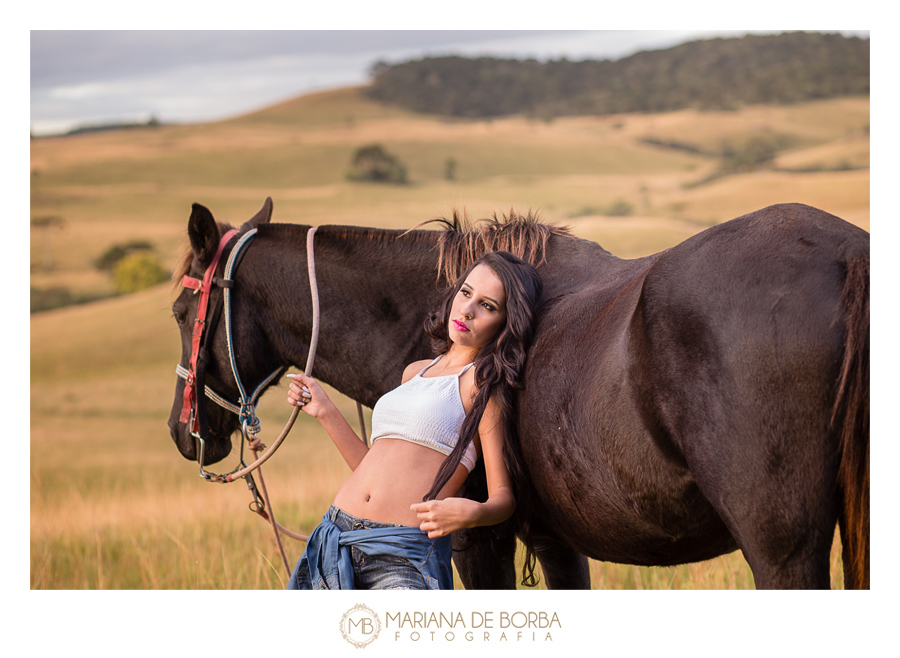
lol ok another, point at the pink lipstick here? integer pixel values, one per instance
(460, 326)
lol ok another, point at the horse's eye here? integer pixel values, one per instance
(179, 317)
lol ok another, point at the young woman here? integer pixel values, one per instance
(389, 526)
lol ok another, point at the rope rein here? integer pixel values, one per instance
(246, 407)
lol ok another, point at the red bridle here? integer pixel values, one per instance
(204, 287)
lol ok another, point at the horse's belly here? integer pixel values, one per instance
(625, 503)
(605, 481)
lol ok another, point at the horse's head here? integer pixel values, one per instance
(205, 361)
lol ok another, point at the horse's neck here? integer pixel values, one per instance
(375, 289)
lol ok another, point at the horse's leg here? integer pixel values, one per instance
(485, 557)
(803, 456)
(755, 436)
(761, 452)
(737, 344)
(563, 567)
(784, 523)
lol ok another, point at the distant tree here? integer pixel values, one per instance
(137, 272)
(754, 153)
(379, 68)
(373, 163)
(619, 208)
(46, 299)
(111, 257)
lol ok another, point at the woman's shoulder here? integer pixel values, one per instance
(414, 369)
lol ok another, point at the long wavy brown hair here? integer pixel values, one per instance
(499, 366)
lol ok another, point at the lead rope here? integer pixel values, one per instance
(271, 512)
(256, 445)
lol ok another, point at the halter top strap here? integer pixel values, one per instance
(457, 375)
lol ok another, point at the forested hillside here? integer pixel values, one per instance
(714, 74)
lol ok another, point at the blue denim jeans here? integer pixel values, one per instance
(378, 570)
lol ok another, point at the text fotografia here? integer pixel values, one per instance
(477, 626)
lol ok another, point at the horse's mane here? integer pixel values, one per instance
(461, 242)
(464, 241)
(182, 268)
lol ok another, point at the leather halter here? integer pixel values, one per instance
(245, 408)
(194, 410)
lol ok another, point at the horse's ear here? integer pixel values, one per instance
(263, 216)
(203, 234)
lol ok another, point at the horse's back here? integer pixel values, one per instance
(756, 299)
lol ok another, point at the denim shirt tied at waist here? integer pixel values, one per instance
(328, 553)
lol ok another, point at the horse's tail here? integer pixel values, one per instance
(850, 419)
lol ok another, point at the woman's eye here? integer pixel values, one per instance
(488, 306)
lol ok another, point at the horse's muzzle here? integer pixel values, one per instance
(217, 447)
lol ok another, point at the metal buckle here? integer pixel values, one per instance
(203, 473)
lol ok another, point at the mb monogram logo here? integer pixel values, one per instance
(360, 626)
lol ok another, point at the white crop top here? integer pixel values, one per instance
(425, 410)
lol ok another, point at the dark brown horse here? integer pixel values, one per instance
(711, 397)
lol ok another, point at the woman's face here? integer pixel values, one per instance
(478, 309)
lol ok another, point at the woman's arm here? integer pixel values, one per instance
(305, 392)
(441, 517)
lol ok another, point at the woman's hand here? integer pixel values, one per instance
(441, 517)
(305, 392)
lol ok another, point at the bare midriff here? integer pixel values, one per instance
(393, 475)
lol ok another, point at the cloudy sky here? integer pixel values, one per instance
(86, 77)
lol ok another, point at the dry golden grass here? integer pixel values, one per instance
(633, 237)
(113, 505)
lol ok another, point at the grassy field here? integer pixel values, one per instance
(114, 506)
